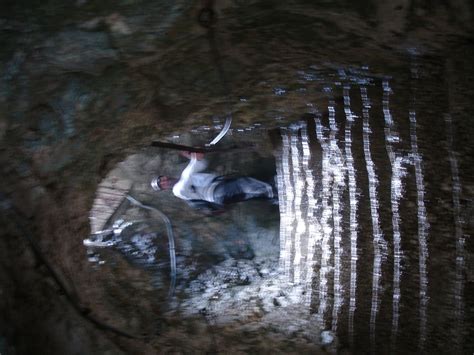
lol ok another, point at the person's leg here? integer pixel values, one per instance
(241, 189)
(254, 188)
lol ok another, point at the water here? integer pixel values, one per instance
(364, 127)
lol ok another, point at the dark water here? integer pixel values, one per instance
(360, 114)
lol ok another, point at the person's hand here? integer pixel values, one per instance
(198, 156)
(189, 155)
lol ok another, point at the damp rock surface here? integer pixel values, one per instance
(74, 51)
(360, 115)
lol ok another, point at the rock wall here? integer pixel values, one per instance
(84, 84)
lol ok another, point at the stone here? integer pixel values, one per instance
(117, 24)
(74, 51)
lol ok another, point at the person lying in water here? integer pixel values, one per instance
(211, 192)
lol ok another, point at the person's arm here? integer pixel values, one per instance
(183, 188)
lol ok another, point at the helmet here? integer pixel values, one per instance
(155, 183)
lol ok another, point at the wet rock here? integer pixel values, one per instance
(3, 128)
(92, 25)
(12, 68)
(17, 26)
(50, 160)
(117, 24)
(44, 130)
(327, 337)
(240, 249)
(73, 100)
(136, 241)
(10, 71)
(74, 51)
(57, 118)
(5, 202)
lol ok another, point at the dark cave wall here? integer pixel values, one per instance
(85, 83)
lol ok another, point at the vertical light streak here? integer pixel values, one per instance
(459, 282)
(353, 208)
(282, 199)
(337, 173)
(422, 220)
(286, 220)
(378, 241)
(299, 227)
(314, 229)
(298, 182)
(396, 190)
(325, 226)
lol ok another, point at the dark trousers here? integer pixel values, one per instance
(231, 190)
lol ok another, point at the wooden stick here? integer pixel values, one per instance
(193, 149)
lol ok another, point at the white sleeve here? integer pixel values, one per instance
(182, 188)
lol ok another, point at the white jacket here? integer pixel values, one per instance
(194, 185)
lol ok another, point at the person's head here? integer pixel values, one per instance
(162, 183)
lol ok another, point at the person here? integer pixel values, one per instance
(209, 192)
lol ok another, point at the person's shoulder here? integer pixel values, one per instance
(178, 189)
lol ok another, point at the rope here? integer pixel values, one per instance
(207, 19)
(169, 231)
